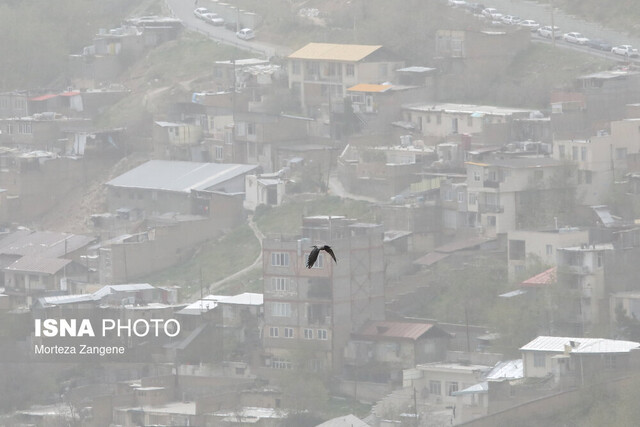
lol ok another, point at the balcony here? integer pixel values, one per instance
(484, 208)
(491, 184)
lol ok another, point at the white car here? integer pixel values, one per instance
(199, 12)
(548, 32)
(213, 18)
(530, 24)
(492, 13)
(246, 34)
(574, 37)
(625, 50)
(511, 20)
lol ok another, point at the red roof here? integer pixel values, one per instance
(72, 93)
(404, 330)
(546, 278)
(43, 97)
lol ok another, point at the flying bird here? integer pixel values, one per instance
(313, 255)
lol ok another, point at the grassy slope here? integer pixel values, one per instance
(622, 14)
(527, 82)
(240, 248)
(216, 260)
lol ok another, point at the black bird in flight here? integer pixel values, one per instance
(313, 255)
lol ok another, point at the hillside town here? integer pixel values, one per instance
(153, 267)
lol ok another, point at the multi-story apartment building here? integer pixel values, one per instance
(309, 314)
(488, 124)
(600, 159)
(515, 193)
(582, 286)
(319, 72)
(526, 247)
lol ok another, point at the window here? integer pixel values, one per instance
(281, 309)
(583, 154)
(322, 334)
(295, 67)
(219, 153)
(538, 174)
(288, 332)
(587, 177)
(280, 259)
(549, 249)
(460, 197)
(473, 198)
(574, 153)
(599, 259)
(24, 128)
(308, 334)
(539, 360)
(610, 361)
(435, 387)
(319, 262)
(452, 387)
(476, 176)
(280, 363)
(438, 119)
(280, 284)
(350, 70)
(273, 332)
(251, 128)
(561, 151)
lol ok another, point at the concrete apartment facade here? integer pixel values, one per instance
(310, 313)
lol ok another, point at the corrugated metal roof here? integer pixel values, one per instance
(415, 69)
(580, 345)
(45, 244)
(345, 421)
(363, 87)
(465, 109)
(129, 287)
(66, 299)
(430, 258)
(479, 388)
(246, 298)
(463, 244)
(404, 330)
(178, 176)
(29, 264)
(334, 52)
(510, 369)
(547, 277)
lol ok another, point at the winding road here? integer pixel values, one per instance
(183, 10)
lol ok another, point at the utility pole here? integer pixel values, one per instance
(553, 25)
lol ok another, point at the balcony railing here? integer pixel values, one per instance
(491, 184)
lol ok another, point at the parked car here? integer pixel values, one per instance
(625, 50)
(600, 44)
(213, 18)
(199, 12)
(511, 20)
(246, 34)
(492, 13)
(575, 38)
(548, 32)
(530, 24)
